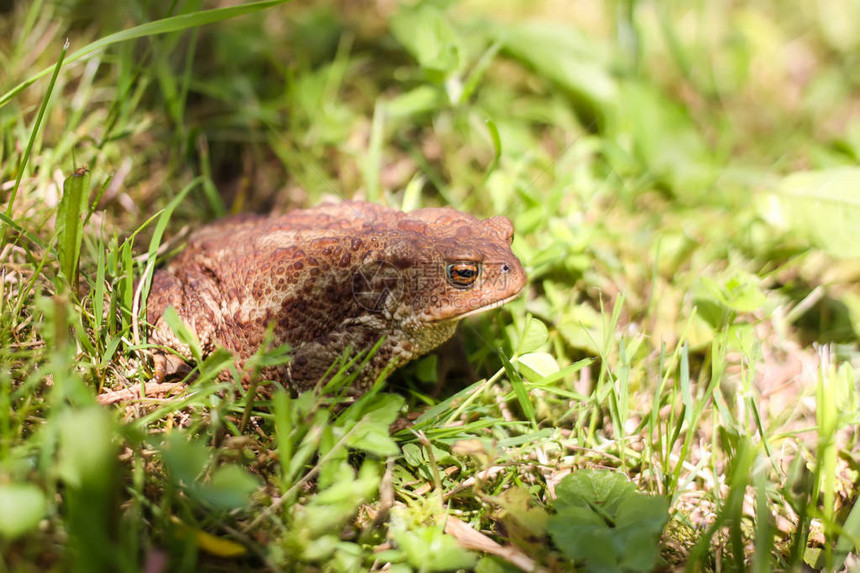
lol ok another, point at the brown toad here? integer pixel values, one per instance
(334, 277)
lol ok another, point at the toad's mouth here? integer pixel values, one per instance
(478, 309)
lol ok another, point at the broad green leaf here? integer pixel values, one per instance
(516, 502)
(214, 364)
(230, 488)
(22, 506)
(534, 336)
(822, 207)
(373, 438)
(537, 365)
(603, 521)
(583, 536)
(639, 524)
(351, 489)
(378, 408)
(329, 510)
(430, 549)
(371, 433)
(70, 222)
(86, 450)
(588, 487)
(320, 548)
(413, 454)
(87, 465)
(427, 35)
(493, 564)
(739, 292)
(185, 459)
(563, 55)
(665, 139)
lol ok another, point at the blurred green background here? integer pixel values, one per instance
(682, 180)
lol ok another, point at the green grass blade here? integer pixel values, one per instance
(519, 387)
(216, 202)
(825, 469)
(8, 222)
(849, 539)
(163, 26)
(160, 227)
(94, 204)
(126, 272)
(99, 290)
(474, 79)
(497, 150)
(763, 526)
(26, 157)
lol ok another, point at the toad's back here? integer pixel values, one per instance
(313, 276)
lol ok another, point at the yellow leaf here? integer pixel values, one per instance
(209, 543)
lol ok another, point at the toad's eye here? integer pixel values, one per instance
(463, 274)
